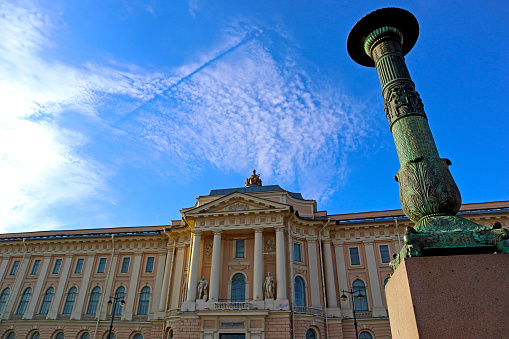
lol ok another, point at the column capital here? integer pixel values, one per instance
(368, 242)
(326, 240)
(279, 229)
(197, 232)
(218, 232)
(258, 230)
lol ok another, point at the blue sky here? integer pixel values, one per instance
(120, 113)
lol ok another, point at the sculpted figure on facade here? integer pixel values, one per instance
(202, 289)
(269, 286)
(254, 179)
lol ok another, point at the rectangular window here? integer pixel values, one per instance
(240, 249)
(150, 265)
(58, 264)
(354, 256)
(14, 268)
(296, 252)
(384, 253)
(125, 265)
(35, 268)
(79, 266)
(102, 265)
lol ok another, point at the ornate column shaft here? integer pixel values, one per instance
(258, 266)
(193, 270)
(215, 270)
(330, 284)
(428, 194)
(280, 264)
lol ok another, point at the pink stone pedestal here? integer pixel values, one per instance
(461, 296)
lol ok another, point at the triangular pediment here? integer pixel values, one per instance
(236, 202)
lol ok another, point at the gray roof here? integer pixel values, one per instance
(254, 188)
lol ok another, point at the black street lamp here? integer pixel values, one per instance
(360, 297)
(114, 302)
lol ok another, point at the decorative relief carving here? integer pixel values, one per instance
(270, 245)
(238, 206)
(402, 100)
(208, 248)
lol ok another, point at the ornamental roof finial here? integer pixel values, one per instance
(254, 179)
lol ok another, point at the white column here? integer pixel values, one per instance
(106, 293)
(176, 287)
(342, 279)
(55, 304)
(83, 291)
(280, 264)
(166, 280)
(258, 266)
(3, 266)
(193, 270)
(127, 312)
(16, 287)
(215, 270)
(330, 283)
(159, 280)
(314, 276)
(29, 314)
(376, 293)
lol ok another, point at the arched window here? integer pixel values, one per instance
(59, 335)
(365, 335)
(85, 335)
(170, 334)
(360, 305)
(69, 301)
(3, 298)
(138, 336)
(310, 334)
(94, 300)
(300, 293)
(386, 280)
(120, 294)
(10, 335)
(239, 288)
(112, 336)
(46, 301)
(144, 301)
(23, 303)
(35, 335)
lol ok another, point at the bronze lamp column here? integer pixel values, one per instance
(428, 194)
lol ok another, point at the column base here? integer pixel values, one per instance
(334, 312)
(449, 297)
(188, 306)
(159, 315)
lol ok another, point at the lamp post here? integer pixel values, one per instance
(114, 302)
(360, 297)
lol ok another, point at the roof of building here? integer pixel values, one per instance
(254, 188)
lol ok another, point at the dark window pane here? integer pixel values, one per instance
(69, 301)
(360, 305)
(354, 256)
(46, 301)
(94, 300)
(300, 293)
(239, 249)
(58, 264)
(384, 254)
(23, 303)
(14, 268)
(238, 288)
(125, 265)
(3, 298)
(150, 265)
(79, 266)
(35, 268)
(365, 335)
(296, 252)
(144, 301)
(102, 265)
(310, 334)
(120, 294)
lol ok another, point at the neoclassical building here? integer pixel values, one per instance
(253, 262)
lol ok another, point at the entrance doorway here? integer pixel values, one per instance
(232, 336)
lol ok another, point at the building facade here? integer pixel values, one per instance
(254, 262)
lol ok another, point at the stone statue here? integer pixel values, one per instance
(269, 286)
(202, 288)
(254, 179)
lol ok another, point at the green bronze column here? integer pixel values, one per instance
(428, 194)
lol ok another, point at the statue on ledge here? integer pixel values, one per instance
(269, 286)
(254, 179)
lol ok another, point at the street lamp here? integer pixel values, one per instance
(360, 297)
(114, 302)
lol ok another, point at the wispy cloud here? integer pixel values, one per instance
(251, 105)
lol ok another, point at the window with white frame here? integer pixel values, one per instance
(240, 249)
(385, 256)
(354, 256)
